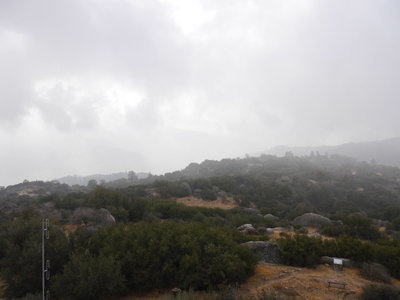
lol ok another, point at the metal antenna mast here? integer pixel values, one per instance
(45, 264)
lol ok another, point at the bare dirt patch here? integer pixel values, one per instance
(28, 192)
(229, 203)
(304, 283)
(68, 229)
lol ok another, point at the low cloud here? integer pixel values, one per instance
(154, 85)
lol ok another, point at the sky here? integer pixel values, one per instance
(102, 86)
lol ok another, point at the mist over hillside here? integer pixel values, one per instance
(204, 221)
(385, 152)
(83, 180)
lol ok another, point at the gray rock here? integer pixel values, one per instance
(267, 252)
(89, 216)
(271, 217)
(246, 228)
(311, 220)
(284, 180)
(103, 216)
(329, 260)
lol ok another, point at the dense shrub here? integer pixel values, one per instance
(20, 264)
(331, 229)
(375, 272)
(208, 194)
(160, 254)
(301, 250)
(360, 226)
(172, 189)
(89, 277)
(384, 292)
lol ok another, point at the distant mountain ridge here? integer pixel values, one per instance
(386, 152)
(83, 180)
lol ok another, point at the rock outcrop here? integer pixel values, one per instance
(311, 220)
(271, 217)
(246, 228)
(267, 252)
(93, 217)
(329, 260)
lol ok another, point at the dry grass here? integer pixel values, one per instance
(68, 229)
(28, 192)
(229, 203)
(306, 283)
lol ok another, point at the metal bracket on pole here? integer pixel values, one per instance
(47, 269)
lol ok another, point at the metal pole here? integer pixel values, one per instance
(43, 286)
(45, 264)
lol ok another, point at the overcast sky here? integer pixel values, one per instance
(101, 86)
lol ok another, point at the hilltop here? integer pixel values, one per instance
(382, 152)
(83, 180)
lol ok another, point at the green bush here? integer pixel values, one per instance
(360, 226)
(161, 254)
(384, 292)
(20, 265)
(301, 250)
(375, 272)
(89, 277)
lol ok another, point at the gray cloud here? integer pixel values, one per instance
(154, 85)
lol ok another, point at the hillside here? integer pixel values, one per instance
(289, 186)
(382, 152)
(191, 228)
